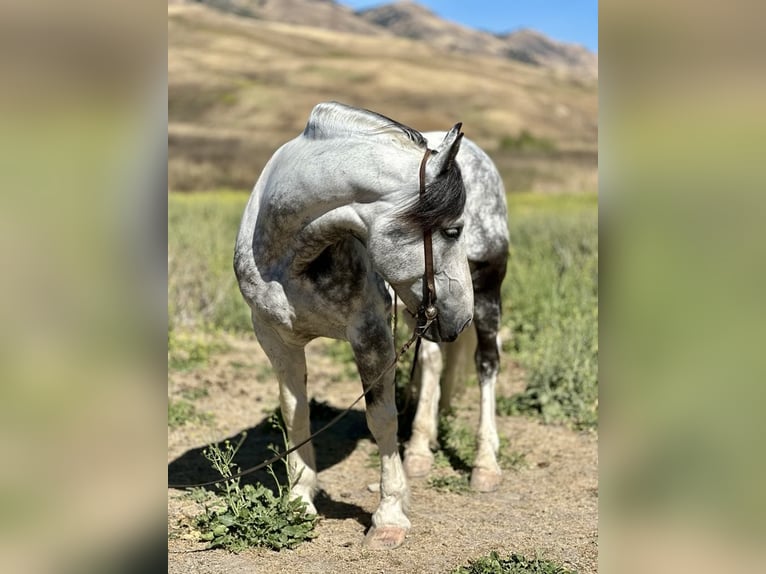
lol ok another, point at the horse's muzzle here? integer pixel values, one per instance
(436, 332)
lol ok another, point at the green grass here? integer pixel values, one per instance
(182, 411)
(551, 306)
(526, 142)
(202, 289)
(513, 564)
(187, 350)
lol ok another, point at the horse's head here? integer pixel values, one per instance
(396, 243)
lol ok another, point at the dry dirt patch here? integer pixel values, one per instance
(547, 506)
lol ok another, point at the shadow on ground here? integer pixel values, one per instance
(332, 446)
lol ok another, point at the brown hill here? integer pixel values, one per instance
(411, 20)
(320, 13)
(240, 87)
(530, 46)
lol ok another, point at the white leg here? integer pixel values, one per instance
(289, 365)
(486, 474)
(418, 457)
(371, 342)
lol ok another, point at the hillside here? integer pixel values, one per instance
(411, 20)
(241, 86)
(320, 13)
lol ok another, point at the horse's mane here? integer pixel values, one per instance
(333, 119)
(441, 204)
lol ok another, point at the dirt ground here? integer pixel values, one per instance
(547, 506)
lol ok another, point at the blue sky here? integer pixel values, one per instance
(565, 20)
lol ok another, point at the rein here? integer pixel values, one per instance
(426, 316)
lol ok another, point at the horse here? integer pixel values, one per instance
(486, 241)
(339, 214)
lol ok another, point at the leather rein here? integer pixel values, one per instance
(425, 317)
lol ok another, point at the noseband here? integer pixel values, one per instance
(427, 312)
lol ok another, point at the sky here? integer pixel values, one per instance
(573, 21)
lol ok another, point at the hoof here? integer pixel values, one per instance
(385, 537)
(485, 480)
(417, 465)
(310, 508)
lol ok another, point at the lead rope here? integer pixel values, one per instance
(428, 312)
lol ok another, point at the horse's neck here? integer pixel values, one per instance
(310, 200)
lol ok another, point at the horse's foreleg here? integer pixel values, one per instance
(486, 474)
(289, 364)
(418, 457)
(373, 350)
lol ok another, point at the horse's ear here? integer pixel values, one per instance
(447, 150)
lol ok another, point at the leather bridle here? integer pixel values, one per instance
(428, 308)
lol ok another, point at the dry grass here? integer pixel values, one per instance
(239, 88)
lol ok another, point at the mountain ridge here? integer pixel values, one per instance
(409, 19)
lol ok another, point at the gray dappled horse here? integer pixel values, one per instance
(335, 215)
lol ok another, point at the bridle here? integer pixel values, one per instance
(426, 315)
(428, 308)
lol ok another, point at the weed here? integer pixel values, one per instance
(239, 517)
(512, 460)
(514, 564)
(458, 484)
(190, 350)
(373, 459)
(458, 443)
(182, 411)
(194, 393)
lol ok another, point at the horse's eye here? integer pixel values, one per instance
(452, 232)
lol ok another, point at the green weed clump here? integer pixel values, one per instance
(514, 564)
(458, 484)
(240, 517)
(551, 298)
(182, 411)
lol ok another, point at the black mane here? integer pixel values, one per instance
(441, 204)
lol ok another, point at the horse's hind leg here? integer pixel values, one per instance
(458, 356)
(289, 364)
(418, 457)
(487, 278)
(371, 342)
